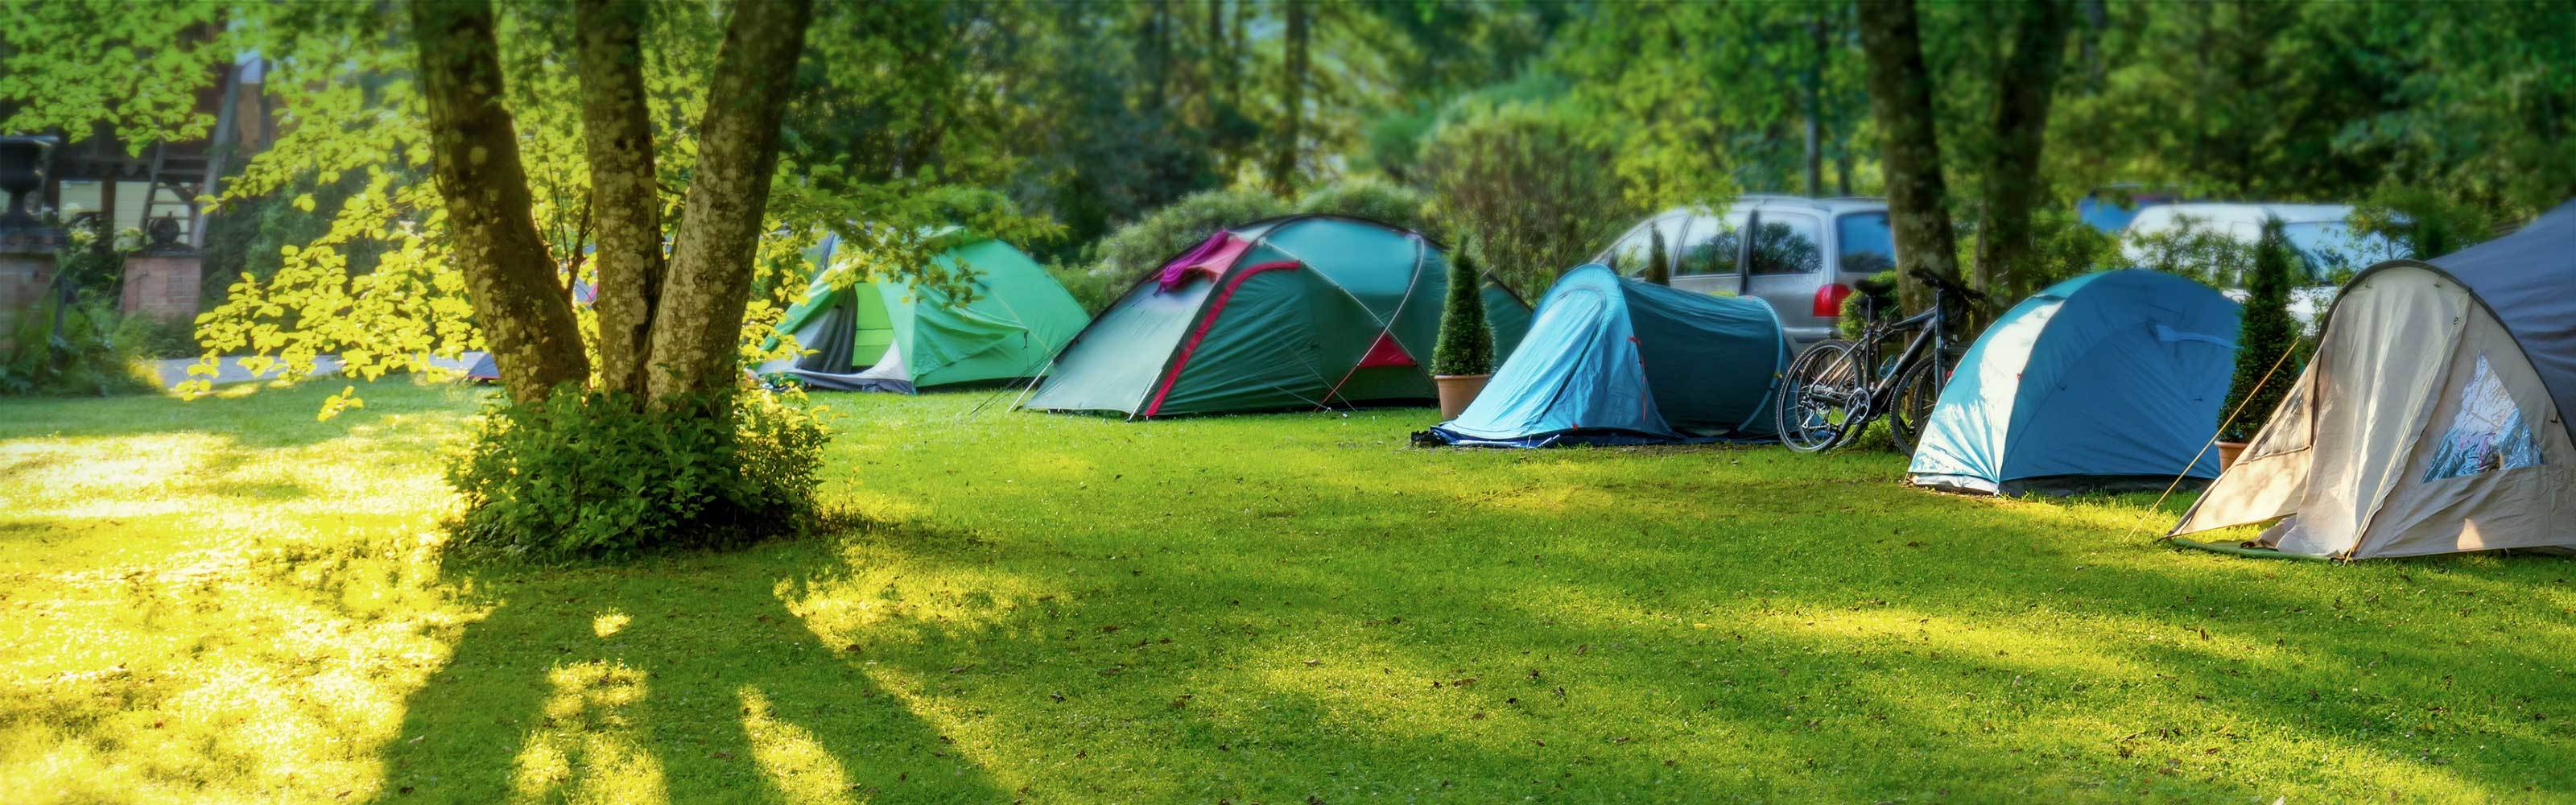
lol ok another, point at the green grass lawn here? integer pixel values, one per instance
(227, 600)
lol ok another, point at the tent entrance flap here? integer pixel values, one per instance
(829, 339)
(2372, 401)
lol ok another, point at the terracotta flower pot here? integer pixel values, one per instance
(2227, 453)
(1456, 391)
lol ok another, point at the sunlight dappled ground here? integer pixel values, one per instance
(222, 600)
(229, 601)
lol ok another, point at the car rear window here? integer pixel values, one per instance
(1868, 247)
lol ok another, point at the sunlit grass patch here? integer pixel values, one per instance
(220, 600)
(227, 601)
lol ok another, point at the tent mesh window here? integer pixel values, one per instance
(2488, 433)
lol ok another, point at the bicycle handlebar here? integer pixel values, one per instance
(1947, 284)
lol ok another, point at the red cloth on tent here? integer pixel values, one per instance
(1211, 258)
(1216, 307)
(1385, 353)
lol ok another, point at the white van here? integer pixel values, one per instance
(2321, 233)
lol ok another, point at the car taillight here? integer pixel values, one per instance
(1829, 300)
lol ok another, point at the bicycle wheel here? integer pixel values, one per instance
(1915, 395)
(1823, 399)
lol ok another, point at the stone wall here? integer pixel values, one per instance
(162, 286)
(23, 277)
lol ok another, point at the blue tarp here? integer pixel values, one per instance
(1617, 361)
(2102, 381)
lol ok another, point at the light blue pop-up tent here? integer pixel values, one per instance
(2105, 381)
(1617, 361)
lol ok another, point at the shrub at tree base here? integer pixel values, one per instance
(1466, 344)
(589, 475)
(94, 353)
(2267, 333)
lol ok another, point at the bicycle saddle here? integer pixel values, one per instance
(1875, 286)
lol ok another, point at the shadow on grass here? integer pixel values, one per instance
(684, 680)
(252, 418)
(1798, 637)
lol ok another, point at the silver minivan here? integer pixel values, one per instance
(1805, 255)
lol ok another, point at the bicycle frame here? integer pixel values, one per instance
(1929, 326)
(1833, 395)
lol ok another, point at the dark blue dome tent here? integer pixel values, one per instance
(2105, 381)
(1610, 360)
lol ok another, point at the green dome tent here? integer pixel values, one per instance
(890, 336)
(1306, 311)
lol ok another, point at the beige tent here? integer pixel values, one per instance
(2433, 418)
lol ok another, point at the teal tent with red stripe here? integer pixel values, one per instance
(1301, 312)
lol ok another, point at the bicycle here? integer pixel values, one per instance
(1835, 388)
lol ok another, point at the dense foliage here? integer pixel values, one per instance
(1138, 248)
(1377, 200)
(80, 349)
(1109, 137)
(1466, 344)
(73, 341)
(1094, 290)
(2193, 249)
(2266, 339)
(1523, 181)
(586, 475)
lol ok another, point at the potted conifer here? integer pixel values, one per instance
(1659, 264)
(1464, 358)
(2265, 334)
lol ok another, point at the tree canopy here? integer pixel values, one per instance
(1057, 124)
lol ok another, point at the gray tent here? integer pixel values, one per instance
(2434, 416)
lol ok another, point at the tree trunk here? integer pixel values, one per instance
(1234, 51)
(492, 232)
(625, 195)
(1214, 65)
(1283, 161)
(1154, 54)
(2012, 186)
(1815, 81)
(1842, 134)
(697, 330)
(1900, 99)
(1220, 67)
(2097, 19)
